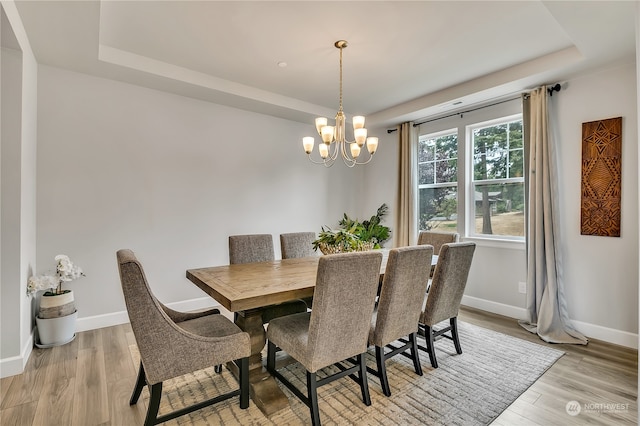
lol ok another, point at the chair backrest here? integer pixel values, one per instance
(297, 244)
(343, 301)
(250, 248)
(402, 295)
(448, 283)
(437, 239)
(148, 320)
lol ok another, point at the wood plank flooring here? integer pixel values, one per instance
(89, 382)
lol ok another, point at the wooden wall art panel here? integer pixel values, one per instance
(601, 177)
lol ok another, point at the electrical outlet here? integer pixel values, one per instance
(522, 287)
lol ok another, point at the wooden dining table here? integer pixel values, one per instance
(247, 289)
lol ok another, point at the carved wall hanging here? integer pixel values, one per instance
(601, 177)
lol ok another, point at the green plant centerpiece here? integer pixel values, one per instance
(354, 235)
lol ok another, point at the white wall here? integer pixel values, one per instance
(120, 166)
(600, 273)
(11, 61)
(18, 224)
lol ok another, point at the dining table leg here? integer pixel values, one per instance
(264, 390)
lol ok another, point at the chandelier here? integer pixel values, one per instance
(334, 139)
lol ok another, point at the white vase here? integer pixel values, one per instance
(56, 319)
(56, 331)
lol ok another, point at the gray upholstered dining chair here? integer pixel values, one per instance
(437, 239)
(250, 248)
(335, 330)
(444, 297)
(294, 245)
(259, 248)
(399, 307)
(173, 344)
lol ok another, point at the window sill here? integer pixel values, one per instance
(497, 243)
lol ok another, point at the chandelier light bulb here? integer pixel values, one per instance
(307, 143)
(324, 150)
(372, 144)
(327, 134)
(320, 123)
(355, 150)
(361, 136)
(358, 122)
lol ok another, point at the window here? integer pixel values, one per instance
(471, 173)
(497, 185)
(438, 181)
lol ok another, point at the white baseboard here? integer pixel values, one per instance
(121, 317)
(617, 337)
(15, 365)
(495, 307)
(610, 335)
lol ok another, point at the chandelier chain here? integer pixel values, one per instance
(341, 79)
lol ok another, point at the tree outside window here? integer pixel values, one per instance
(498, 178)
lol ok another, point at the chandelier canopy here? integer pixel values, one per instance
(334, 141)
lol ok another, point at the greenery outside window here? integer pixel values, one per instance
(438, 181)
(496, 196)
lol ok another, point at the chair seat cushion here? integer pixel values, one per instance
(291, 334)
(215, 325)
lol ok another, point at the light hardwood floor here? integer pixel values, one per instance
(89, 381)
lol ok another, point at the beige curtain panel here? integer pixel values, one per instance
(546, 304)
(405, 227)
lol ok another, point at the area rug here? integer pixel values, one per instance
(468, 389)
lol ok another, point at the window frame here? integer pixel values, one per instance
(471, 184)
(455, 184)
(460, 120)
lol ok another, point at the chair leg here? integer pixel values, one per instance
(271, 357)
(154, 404)
(140, 384)
(414, 353)
(364, 385)
(428, 337)
(382, 371)
(454, 334)
(312, 392)
(244, 383)
(218, 368)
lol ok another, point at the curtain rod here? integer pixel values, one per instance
(556, 87)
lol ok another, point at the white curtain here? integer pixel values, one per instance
(546, 303)
(405, 227)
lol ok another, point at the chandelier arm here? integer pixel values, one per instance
(365, 162)
(345, 154)
(333, 154)
(348, 164)
(355, 162)
(316, 162)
